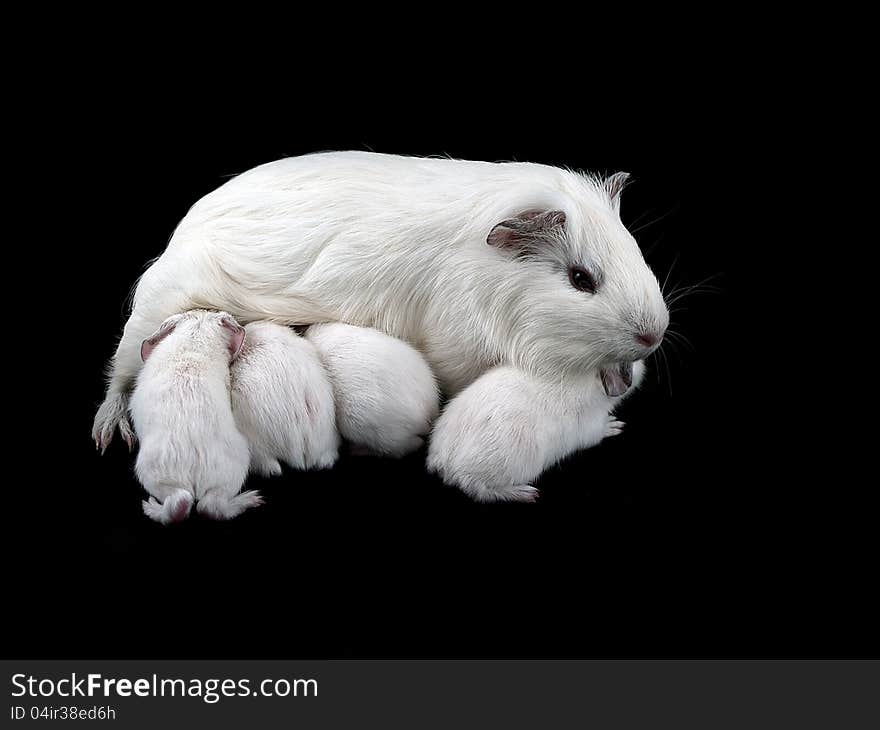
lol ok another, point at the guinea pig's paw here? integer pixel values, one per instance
(112, 413)
(215, 505)
(613, 427)
(246, 500)
(326, 460)
(274, 470)
(175, 508)
(152, 509)
(482, 492)
(243, 502)
(514, 493)
(178, 505)
(127, 433)
(266, 467)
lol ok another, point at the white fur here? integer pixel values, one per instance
(191, 450)
(399, 244)
(499, 434)
(282, 401)
(386, 396)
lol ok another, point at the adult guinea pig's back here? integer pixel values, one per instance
(292, 208)
(351, 236)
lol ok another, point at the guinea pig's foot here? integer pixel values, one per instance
(613, 427)
(217, 506)
(178, 505)
(247, 500)
(175, 508)
(326, 460)
(517, 493)
(266, 467)
(512, 493)
(112, 413)
(152, 509)
(127, 433)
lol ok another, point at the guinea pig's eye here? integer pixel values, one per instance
(582, 279)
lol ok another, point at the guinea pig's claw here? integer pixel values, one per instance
(102, 440)
(613, 427)
(127, 435)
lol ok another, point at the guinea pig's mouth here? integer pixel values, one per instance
(617, 378)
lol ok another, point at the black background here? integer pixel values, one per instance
(714, 526)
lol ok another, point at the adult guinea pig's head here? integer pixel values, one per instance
(585, 298)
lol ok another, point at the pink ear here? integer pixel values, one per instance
(525, 230)
(150, 344)
(236, 336)
(614, 187)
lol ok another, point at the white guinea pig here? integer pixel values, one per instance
(191, 450)
(386, 396)
(477, 264)
(502, 432)
(282, 401)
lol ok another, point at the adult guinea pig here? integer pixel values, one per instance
(474, 263)
(386, 396)
(191, 450)
(505, 429)
(282, 401)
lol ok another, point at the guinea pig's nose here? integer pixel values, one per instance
(649, 339)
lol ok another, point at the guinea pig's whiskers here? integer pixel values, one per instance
(650, 223)
(679, 292)
(641, 217)
(673, 337)
(676, 337)
(654, 245)
(665, 360)
(659, 361)
(668, 274)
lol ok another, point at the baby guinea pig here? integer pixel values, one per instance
(282, 401)
(503, 431)
(191, 450)
(386, 395)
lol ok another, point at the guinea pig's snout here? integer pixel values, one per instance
(650, 338)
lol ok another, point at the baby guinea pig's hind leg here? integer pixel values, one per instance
(216, 504)
(175, 508)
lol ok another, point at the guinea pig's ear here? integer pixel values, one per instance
(614, 185)
(149, 344)
(521, 233)
(236, 335)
